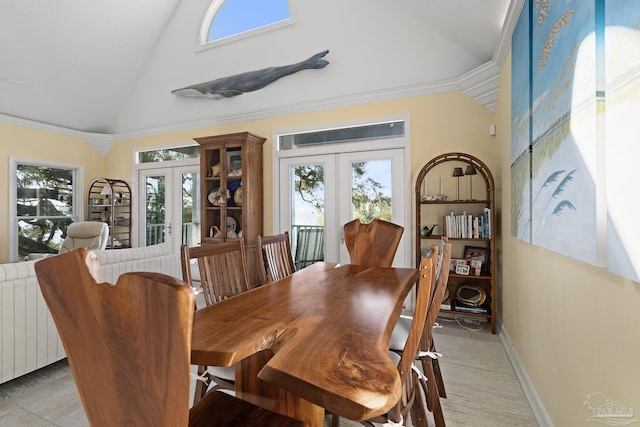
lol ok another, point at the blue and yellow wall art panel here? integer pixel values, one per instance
(563, 162)
(622, 152)
(581, 123)
(521, 128)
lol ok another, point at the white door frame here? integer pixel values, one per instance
(278, 204)
(330, 173)
(173, 172)
(399, 203)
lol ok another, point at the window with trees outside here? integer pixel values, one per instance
(45, 205)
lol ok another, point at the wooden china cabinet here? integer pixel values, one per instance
(231, 192)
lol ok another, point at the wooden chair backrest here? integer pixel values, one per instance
(222, 267)
(424, 291)
(373, 244)
(276, 259)
(128, 344)
(438, 295)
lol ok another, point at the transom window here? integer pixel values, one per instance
(226, 19)
(169, 154)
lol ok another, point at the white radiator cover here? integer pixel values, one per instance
(28, 336)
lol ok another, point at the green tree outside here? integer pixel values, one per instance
(368, 198)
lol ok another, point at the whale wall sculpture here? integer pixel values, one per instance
(238, 84)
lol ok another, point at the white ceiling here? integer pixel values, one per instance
(109, 66)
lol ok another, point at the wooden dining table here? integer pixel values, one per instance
(315, 340)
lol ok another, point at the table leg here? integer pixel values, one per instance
(249, 387)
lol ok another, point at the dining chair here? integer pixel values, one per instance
(370, 245)
(373, 244)
(129, 347)
(222, 269)
(433, 386)
(408, 377)
(276, 260)
(404, 360)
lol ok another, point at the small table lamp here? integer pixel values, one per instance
(106, 191)
(471, 170)
(457, 172)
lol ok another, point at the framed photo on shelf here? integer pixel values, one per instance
(462, 269)
(476, 266)
(477, 253)
(234, 163)
(453, 264)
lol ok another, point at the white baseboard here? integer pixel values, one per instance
(529, 390)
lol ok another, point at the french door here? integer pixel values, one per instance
(169, 206)
(319, 194)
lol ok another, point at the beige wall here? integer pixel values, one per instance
(439, 124)
(26, 143)
(574, 327)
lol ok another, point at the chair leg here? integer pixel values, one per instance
(335, 420)
(418, 409)
(438, 373)
(433, 396)
(202, 384)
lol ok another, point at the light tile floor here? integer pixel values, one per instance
(481, 385)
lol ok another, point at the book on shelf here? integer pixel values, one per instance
(464, 308)
(466, 226)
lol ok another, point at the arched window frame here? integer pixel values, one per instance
(210, 14)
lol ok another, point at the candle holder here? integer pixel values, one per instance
(457, 172)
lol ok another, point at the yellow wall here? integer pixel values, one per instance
(26, 143)
(439, 123)
(574, 327)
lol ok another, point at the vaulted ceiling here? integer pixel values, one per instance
(109, 66)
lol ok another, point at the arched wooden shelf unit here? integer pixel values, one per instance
(468, 223)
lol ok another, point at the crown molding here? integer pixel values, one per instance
(102, 142)
(482, 84)
(296, 108)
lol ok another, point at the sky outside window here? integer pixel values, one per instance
(239, 16)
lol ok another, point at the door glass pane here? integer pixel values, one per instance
(190, 212)
(155, 209)
(307, 214)
(371, 189)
